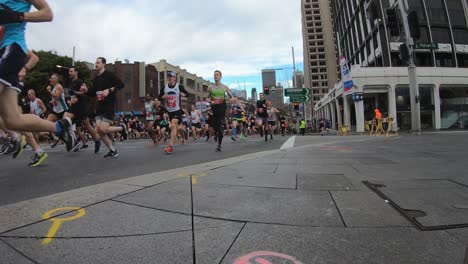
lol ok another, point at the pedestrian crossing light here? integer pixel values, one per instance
(266, 90)
(296, 106)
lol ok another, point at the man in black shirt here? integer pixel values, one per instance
(78, 111)
(105, 85)
(262, 116)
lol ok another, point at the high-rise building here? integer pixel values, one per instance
(380, 75)
(320, 61)
(299, 79)
(276, 95)
(254, 96)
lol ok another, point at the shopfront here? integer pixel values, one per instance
(454, 107)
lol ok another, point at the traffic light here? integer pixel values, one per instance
(393, 23)
(296, 106)
(266, 90)
(413, 22)
(404, 53)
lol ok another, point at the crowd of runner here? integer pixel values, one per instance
(27, 119)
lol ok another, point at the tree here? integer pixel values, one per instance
(38, 77)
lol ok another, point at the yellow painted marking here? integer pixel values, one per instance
(195, 176)
(57, 222)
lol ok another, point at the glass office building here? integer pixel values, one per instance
(363, 36)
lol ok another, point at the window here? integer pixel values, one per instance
(436, 11)
(455, 10)
(461, 36)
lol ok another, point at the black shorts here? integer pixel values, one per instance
(78, 111)
(272, 123)
(58, 115)
(196, 125)
(176, 115)
(12, 61)
(105, 117)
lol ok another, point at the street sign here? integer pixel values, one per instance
(296, 92)
(430, 46)
(299, 99)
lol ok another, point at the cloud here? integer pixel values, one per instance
(239, 37)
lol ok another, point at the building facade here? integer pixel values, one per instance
(139, 79)
(379, 73)
(320, 60)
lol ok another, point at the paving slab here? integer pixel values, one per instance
(323, 182)
(439, 204)
(130, 234)
(248, 204)
(254, 179)
(420, 184)
(461, 234)
(27, 212)
(249, 167)
(366, 209)
(11, 256)
(347, 245)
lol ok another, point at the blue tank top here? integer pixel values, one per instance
(15, 32)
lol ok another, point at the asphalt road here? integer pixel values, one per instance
(64, 171)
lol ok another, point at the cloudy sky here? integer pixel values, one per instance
(239, 37)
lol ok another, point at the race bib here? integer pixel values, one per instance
(260, 110)
(171, 101)
(217, 100)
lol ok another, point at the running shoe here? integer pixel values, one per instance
(18, 146)
(37, 159)
(169, 150)
(54, 143)
(233, 138)
(97, 146)
(218, 148)
(124, 131)
(111, 154)
(66, 137)
(77, 147)
(85, 146)
(5, 147)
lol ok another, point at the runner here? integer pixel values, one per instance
(105, 85)
(59, 105)
(218, 105)
(262, 115)
(196, 125)
(150, 114)
(236, 111)
(271, 111)
(14, 14)
(171, 93)
(36, 107)
(252, 125)
(77, 111)
(283, 125)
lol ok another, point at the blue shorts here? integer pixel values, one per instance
(12, 60)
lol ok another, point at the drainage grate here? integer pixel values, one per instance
(411, 215)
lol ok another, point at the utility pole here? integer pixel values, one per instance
(73, 61)
(412, 74)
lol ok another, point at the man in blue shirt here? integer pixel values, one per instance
(14, 14)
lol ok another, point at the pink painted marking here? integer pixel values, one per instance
(256, 258)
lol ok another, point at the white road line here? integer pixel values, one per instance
(288, 144)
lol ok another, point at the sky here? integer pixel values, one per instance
(238, 37)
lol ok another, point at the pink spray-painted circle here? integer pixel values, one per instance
(258, 258)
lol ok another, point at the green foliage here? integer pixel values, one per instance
(38, 77)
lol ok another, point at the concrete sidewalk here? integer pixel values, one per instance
(335, 200)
